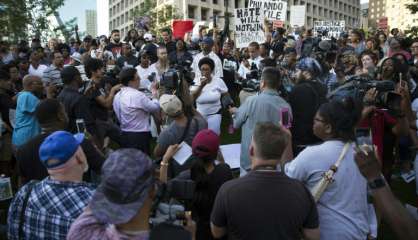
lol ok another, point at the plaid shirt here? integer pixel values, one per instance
(51, 209)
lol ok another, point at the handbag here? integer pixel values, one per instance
(328, 176)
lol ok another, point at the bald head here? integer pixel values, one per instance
(33, 84)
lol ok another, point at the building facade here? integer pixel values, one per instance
(120, 11)
(395, 11)
(91, 22)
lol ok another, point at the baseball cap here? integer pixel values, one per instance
(205, 144)
(76, 56)
(59, 146)
(207, 40)
(171, 105)
(148, 37)
(127, 176)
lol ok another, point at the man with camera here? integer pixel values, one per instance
(265, 107)
(265, 204)
(122, 204)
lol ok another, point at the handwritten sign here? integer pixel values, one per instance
(329, 29)
(248, 26)
(297, 15)
(273, 9)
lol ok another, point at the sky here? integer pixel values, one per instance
(77, 8)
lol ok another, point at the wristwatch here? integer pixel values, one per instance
(377, 183)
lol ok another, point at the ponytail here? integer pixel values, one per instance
(201, 179)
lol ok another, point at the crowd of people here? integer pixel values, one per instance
(90, 131)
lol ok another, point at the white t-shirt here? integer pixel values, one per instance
(342, 208)
(209, 101)
(39, 71)
(144, 73)
(217, 72)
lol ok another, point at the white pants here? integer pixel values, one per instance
(214, 122)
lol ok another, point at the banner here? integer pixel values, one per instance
(248, 26)
(181, 27)
(297, 15)
(273, 9)
(329, 29)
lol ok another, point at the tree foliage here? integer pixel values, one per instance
(20, 18)
(413, 31)
(160, 17)
(413, 7)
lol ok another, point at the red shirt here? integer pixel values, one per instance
(378, 121)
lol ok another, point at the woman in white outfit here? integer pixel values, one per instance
(343, 207)
(208, 95)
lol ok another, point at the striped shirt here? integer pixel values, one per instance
(52, 76)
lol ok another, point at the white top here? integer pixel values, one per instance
(144, 73)
(343, 209)
(38, 71)
(217, 72)
(209, 101)
(242, 71)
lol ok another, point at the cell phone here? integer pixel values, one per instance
(81, 127)
(285, 118)
(364, 137)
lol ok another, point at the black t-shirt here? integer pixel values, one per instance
(202, 209)
(230, 66)
(97, 110)
(115, 48)
(264, 205)
(6, 103)
(305, 99)
(31, 168)
(130, 61)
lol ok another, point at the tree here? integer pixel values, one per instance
(20, 18)
(413, 8)
(160, 18)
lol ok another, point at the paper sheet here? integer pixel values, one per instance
(232, 154)
(183, 153)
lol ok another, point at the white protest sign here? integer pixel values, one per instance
(329, 29)
(273, 9)
(297, 15)
(248, 26)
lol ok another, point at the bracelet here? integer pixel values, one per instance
(164, 163)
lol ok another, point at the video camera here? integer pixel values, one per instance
(251, 83)
(170, 80)
(357, 87)
(164, 210)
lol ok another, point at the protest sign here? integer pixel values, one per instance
(248, 26)
(181, 27)
(297, 15)
(273, 9)
(329, 29)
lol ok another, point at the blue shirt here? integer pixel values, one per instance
(26, 125)
(265, 107)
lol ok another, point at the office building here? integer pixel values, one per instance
(91, 22)
(394, 12)
(121, 11)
